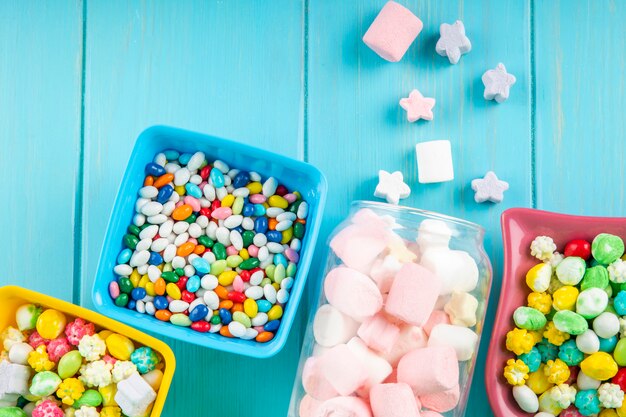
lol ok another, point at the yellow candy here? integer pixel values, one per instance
(143, 281)
(104, 334)
(565, 298)
(180, 190)
(519, 341)
(287, 235)
(135, 277)
(275, 313)
(120, 347)
(554, 335)
(251, 308)
(538, 277)
(600, 366)
(228, 200)
(244, 254)
(540, 301)
(150, 289)
(278, 201)
(255, 187)
(537, 335)
(548, 404)
(38, 359)
(70, 390)
(226, 278)
(609, 412)
(621, 412)
(555, 284)
(51, 324)
(276, 286)
(110, 412)
(108, 395)
(516, 372)
(538, 381)
(173, 291)
(556, 371)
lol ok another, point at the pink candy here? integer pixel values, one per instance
(231, 251)
(413, 294)
(114, 289)
(35, 340)
(378, 333)
(109, 359)
(253, 251)
(47, 408)
(257, 199)
(78, 328)
(429, 370)
(352, 293)
(393, 400)
(57, 348)
(221, 213)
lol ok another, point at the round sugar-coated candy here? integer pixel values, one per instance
(620, 352)
(587, 402)
(600, 366)
(198, 313)
(532, 359)
(620, 378)
(525, 398)
(538, 277)
(145, 359)
(578, 247)
(547, 350)
(591, 302)
(619, 303)
(606, 248)
(565, 298)
(51, 323)
(12, 412)
(570, 322)
(570, 354)
(119, 346)
(570, 271)
(596, 276)
(69, 364)
(90, 398)
(588, 342)
(26, 316)
(608, 345)
(606, 325)
(44, 383)
(529, 318)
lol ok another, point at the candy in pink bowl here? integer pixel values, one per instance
(519, 227)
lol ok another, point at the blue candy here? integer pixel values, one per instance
(155, 258)
(138, 293)
(144, 359)
(193, 190)
(165, 193)
(241, 179)
(532, 359)
(587, 402)
(274, 236)
(184, 158)
(619, 303)
(201, 265)
(279, 259)
(548, 351)
(131, 304)
(124, 256)
(171, 154)
(608, 345)
(263, 305)
(217, 178)
(260, 225)
(225, 316)
(193, 283)
(160, 302)
(198, 313)
(248, 210)
(154, 169)
(569, 353)
(239, 229)
(259, 210)
(271, 326)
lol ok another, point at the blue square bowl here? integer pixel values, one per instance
(295, 175)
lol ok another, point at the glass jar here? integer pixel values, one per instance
(399, 317)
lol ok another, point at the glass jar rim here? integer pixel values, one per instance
(426, 213)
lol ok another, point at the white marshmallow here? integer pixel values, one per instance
(13, 380)
(378, 369)
(434, 161)
(462, 339)
(586, 382)
(19, 353)
(433, 233)
(134, 395)
(456, 269)
(462, 309)
(331, 327)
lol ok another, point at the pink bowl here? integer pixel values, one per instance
(519, 228)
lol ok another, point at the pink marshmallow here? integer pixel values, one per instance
(393, 31)
(430, 369)
(378, 333)
(441, 401)
(314, 382)
(413, 294)
(358, 245)
(331, 327)
(343, 407)
(393, 400)
(410, 338)
(428, 413)
(308, 405)
(436, 317)
(377, 368)
(343, 369)
(352, 293)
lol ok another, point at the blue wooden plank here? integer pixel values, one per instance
(40, 102)
(232, 69)
(356, 127)
(581, 102)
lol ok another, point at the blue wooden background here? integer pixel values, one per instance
(79, 80)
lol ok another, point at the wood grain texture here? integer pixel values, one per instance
(40, 80)
(581, 102)
(232, 69)
(356, 126)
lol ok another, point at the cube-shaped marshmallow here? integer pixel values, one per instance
(429, 369)
(413, 294)
(434, 161)
(343, 369)
(391, 400)
(134, 395)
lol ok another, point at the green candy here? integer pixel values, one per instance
(167, 268)
(131, 241)
(121, 300)
(180, 272)
(191, 219)
(570, 322)
(247, 236)
(241, 317)
(529, 318)
(279, 273)
(596, 276)
(269, 271)
(619, 353)
(216, 320)
(69, 364)
(207, 242)
(26, 316)
(90, 398)
(291, 269)
(591, 302)
(298, 230)
(571, 270)
(180, 319)
(134, 230)
(218, 267)
(170, 276)
(249, 263)
(12, 412)
(126, 286)
(234, 261)
(219, 251)
(606, 248)
(44, 383)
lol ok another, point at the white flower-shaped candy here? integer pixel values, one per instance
(617, 271)
(563, 395)
(610, 395)
(542, 248)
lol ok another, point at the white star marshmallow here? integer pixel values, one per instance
(453, 43)
(489, 188)
(391, 187)
(497, 83)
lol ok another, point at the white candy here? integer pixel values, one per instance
(169, 253)
(269, 187)
(233, 221)
(195, 230)
(241, 192)
(282, 296)
(189, 269)
(181, 238)
(144, 244)
(14, 378)
(526, 398)
(544, 414)
(462, 339)
(19, 353)
(171, 167)
(462, 309)
(410, 338)
(489, 188)
(256, 278)
(143, 269)
(123, 270)
(140, 307)
(586, 382)
(456, 269)
(588, 342)
(202, 221)
(180, 227)
(211, 299)
(134, 395)
(270, 293)
(158, 219)
(154, 273)
(606, 325)
(139, 258)
(209, 282)
(247, 223)
(250, 334)
(150, 308)
(275, 247)
(151, 208)
(434, 161)
(209, 192)
(284, 225)
(274, 212)
(223, 235)
(140, 203)
(160, 159)
(181, 177)
(168, 208)
(331, 327)
(236, 240)
(139, 219)
(166, 228)
(159, 245)
(433, 233)
(378, 369)
(286, 216)
(148, 192)
(259, 240)
(221, 165)
(178, 306)
(260, 319)
(195, 161)
(178, 262)
(391, 187)
(236, 329)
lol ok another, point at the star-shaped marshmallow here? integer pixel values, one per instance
(453, 43)
(417, 106)
(489, 188)
(497, 83)
(391, 187)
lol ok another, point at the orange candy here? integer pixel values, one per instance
(225, 332)
(264, 337)
(163, 180)
(148, 181)
(271, 224)
(237, 307)
(303, 221)
(199, 250)
(185, 249)
(227, 304)
(163, 315)
(182, 212)
(221, 292)
(159, 286)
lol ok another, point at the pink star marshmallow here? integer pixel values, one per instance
(417, 106)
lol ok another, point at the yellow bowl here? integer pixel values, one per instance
(11, 297)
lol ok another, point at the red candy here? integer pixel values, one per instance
(620, 379)
(35, 340)
(47, 408)
(205, 211)
(573, 375)
(245, 275)
(578, 247)
(216, 204)
(201, 326)
(182, 282)
(187, 296)
(78, 328)
(57, 348)
(281, 190)
(237, 297)
(571, 411)
(204, 172)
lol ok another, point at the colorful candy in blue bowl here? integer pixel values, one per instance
(210, 241)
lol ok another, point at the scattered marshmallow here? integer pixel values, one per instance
(358, 245)
(436, 317)
(19, 353)
(413, 294)
(462, 309)
(441, 401)
(417, 106)
(314, 382)
(343, 406)
(342, 369)
(433, 233)
(308, 405)
(434, 161)
(497, 83)
(430, 369)
(453, 43)
(391, 187)
(393, 400)
(489, 188)
(377, 368)
(352, 293)
(134, 395)
(410, 338)
(331, 327)
(378, 333)
(461, 339)
(393, 31)
(456, 269)
(13, 380)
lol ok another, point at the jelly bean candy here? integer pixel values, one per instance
(528, 318)
(50, 324)
(600, 366)
(69, 364)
